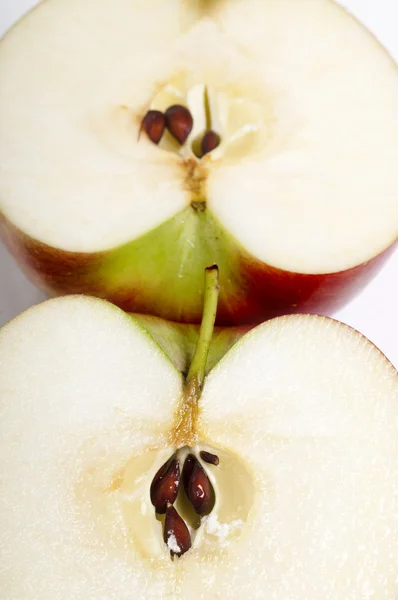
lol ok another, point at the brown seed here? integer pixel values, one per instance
(187, 470)
(197, 486)
(179, 122)
(176, 534)
(165, 485)
(154, 124)
(210, 458)
(209, 142)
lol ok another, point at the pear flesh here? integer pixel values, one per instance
(302, 412)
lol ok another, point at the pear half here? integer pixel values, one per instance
(302, 413)
(298, 205)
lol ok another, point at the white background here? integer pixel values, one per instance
(374, 312)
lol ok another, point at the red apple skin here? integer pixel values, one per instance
(256, 291)
(278, 292)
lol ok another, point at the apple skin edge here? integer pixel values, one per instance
(161, 273)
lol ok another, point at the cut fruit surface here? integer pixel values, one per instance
(302, 415)
(304, 179)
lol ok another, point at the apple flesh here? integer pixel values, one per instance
(302, 413)
(297, 204)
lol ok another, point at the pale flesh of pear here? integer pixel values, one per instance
(303, 413)
(304, 181)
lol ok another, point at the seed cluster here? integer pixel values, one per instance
(179, 122)
(197, 488)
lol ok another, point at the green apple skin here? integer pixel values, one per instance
(161, 273)
(178, 340)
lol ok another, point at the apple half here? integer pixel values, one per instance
(278, 480)
(298, 204)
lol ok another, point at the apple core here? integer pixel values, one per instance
(224, 123)
(233, 493)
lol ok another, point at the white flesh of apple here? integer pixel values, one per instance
(303, 413)
(313, 188)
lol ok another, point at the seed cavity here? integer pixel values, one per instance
(154, 125)
(208, 457)
(176, 533)
(179, 122)
(197, 486)
(210, 141)
(165, 486)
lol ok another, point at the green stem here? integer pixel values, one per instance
(185, 432)
(207, 109)
(198, 365)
